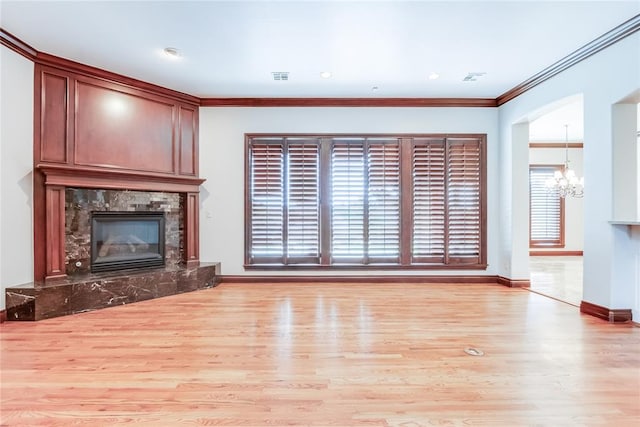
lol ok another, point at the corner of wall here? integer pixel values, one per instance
(16, 164)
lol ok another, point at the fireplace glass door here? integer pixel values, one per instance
(124, 240)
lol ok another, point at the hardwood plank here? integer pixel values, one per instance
(330, 354)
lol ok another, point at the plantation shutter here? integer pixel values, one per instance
(383, 200)
(266, 200)
(463, 201)
(405, 201)
(428, 202)
(347, 200)
(545, 209)
(303, 204)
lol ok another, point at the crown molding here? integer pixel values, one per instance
(607, 39)
(87, 70)
(348, 102)
(17, 45)
(12, 42)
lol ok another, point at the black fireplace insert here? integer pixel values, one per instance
(124, 240)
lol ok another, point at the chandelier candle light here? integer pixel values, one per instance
(566, 183)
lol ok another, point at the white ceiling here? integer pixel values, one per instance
(229, 49)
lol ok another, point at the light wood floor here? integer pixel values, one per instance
(324, 354)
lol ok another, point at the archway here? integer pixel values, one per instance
(556, 228)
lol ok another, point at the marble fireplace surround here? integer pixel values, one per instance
(67, 289)
(80, 203)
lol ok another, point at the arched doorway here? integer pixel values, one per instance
(556, 227)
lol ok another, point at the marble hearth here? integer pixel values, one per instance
(102, 290)
(80, 290)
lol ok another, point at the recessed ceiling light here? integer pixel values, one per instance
(325, 74)
(171, 52)
(433, 75)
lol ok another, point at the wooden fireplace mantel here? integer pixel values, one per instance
(58, 177)
(88, 177)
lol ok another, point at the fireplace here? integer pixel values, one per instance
(124, 230)
(82, 205)
(124, 240)
(83, 164)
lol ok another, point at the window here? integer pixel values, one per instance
(546, 209)
(365, 200)
(384, 201)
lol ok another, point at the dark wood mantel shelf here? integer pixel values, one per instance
(89, 177)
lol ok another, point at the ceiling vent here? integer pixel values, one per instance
(472, 77)
(280, 75)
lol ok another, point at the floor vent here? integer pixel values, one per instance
(471, 351)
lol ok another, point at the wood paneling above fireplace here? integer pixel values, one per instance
(91, 122)
(116, 129)
(54, 128)
(92, 132)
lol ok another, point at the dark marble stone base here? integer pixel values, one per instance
(96, 291)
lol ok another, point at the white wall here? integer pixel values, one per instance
(514, 208)
(625, 162)
(603, 79)
(573, 208)
(222, 153)
(16, 163)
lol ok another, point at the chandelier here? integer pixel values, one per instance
(565, 183)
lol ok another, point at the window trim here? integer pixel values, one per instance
(406, 186)
(547, 244)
